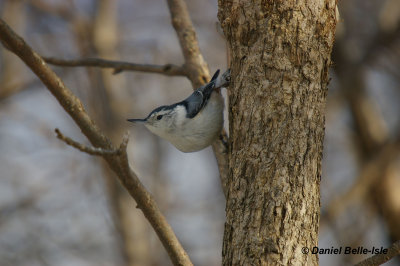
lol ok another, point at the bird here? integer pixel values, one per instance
(193, 123)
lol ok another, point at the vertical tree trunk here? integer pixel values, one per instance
(280, 55)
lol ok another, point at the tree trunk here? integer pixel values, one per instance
(280, 55)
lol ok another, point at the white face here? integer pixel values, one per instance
(164, 121)
(167, 122)
(160, 121)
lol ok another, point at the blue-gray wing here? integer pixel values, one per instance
(199, 98)
(194, 104)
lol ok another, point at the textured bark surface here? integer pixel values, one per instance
(280, 56)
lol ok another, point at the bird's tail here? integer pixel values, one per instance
(215, 76)
(216, 82)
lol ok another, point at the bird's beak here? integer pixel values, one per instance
(137, 120)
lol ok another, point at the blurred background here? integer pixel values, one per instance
(59, 206)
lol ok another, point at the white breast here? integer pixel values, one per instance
(199, 132)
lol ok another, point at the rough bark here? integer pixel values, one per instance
(280, 56)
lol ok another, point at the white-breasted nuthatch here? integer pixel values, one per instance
(194, 123)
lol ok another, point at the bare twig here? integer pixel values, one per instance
(378, 259)
(197, 72)
(168, 69)
(75, 109)
(124, 142)
(93, 150)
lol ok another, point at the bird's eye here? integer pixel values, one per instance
(159, 117)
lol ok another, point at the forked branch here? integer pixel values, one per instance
(93, 150)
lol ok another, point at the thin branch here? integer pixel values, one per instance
(198, 72)
(75, 109)
(378, 259)
(119, 66)
(93, 150)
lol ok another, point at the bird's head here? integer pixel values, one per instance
(162, 121)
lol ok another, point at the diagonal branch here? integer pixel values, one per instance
(378, 259)
(168, 69)
(119, 164)
(197, 68)
(197, 72)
